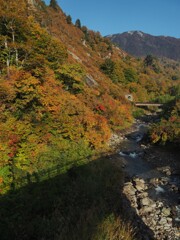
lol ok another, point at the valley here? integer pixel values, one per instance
(78, 160)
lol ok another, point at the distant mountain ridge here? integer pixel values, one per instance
(139, 44)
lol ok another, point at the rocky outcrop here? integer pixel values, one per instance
(90, 81)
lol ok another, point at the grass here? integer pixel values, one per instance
(83, 203)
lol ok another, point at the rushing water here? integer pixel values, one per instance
(133, 153)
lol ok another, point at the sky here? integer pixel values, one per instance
(156, 17)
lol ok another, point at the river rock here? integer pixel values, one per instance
(166, 170)
(163, 221)
(145, 209)
(140, 184)
(153, 222)
(129, 189)
(177, 234)
(154, 181)
(169, 220)
(166, 211)
(142, 195)
(159, 204)
(146, 201)
(164, 180)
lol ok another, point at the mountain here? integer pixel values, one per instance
(140, 44)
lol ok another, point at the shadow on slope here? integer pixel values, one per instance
(83, 203)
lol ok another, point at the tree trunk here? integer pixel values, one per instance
(8, 57)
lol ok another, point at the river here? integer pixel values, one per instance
(152, 184)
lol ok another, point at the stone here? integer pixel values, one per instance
(154, 181)
(144, 210)
(129, 189)
(137, 211)
(169, 219)
(154, 222)
(177, 234)
(142, 195)
(163, 221)
(166, 170)
(141, 187)
(137, 180)
(145, 201)
(166, 211)
(74, 56)
(164, 180)
(167, 227)
(133, 199)
(153, 205)
(159, 204)
(140, 184)
(168, 173)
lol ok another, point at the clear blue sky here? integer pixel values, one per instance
(156, 17)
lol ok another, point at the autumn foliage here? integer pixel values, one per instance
(50, 114)
(168, 130)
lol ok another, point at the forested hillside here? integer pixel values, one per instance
(63, 85)
(62, 92)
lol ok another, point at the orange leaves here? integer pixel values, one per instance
(29, 93)
(97, 130)
(155, 137)
(7, 91)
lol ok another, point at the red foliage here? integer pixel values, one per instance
(11, 154)
(13, 139)
(173, 119)
(100, 108)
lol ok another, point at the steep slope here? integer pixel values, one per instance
(140, 44)
(54, 98)
(67, 85)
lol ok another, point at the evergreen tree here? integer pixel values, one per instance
(149, 60)
(107, 67)
(69, 19)
(85, 31)
(78, 23)
(130, 75)
(53, 4)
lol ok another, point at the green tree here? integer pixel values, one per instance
(71, 75)
(149, 60)
(108, 67)
(69, 19)
(12, 32)
(53, 4)
(78, 23)
(130, 75)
